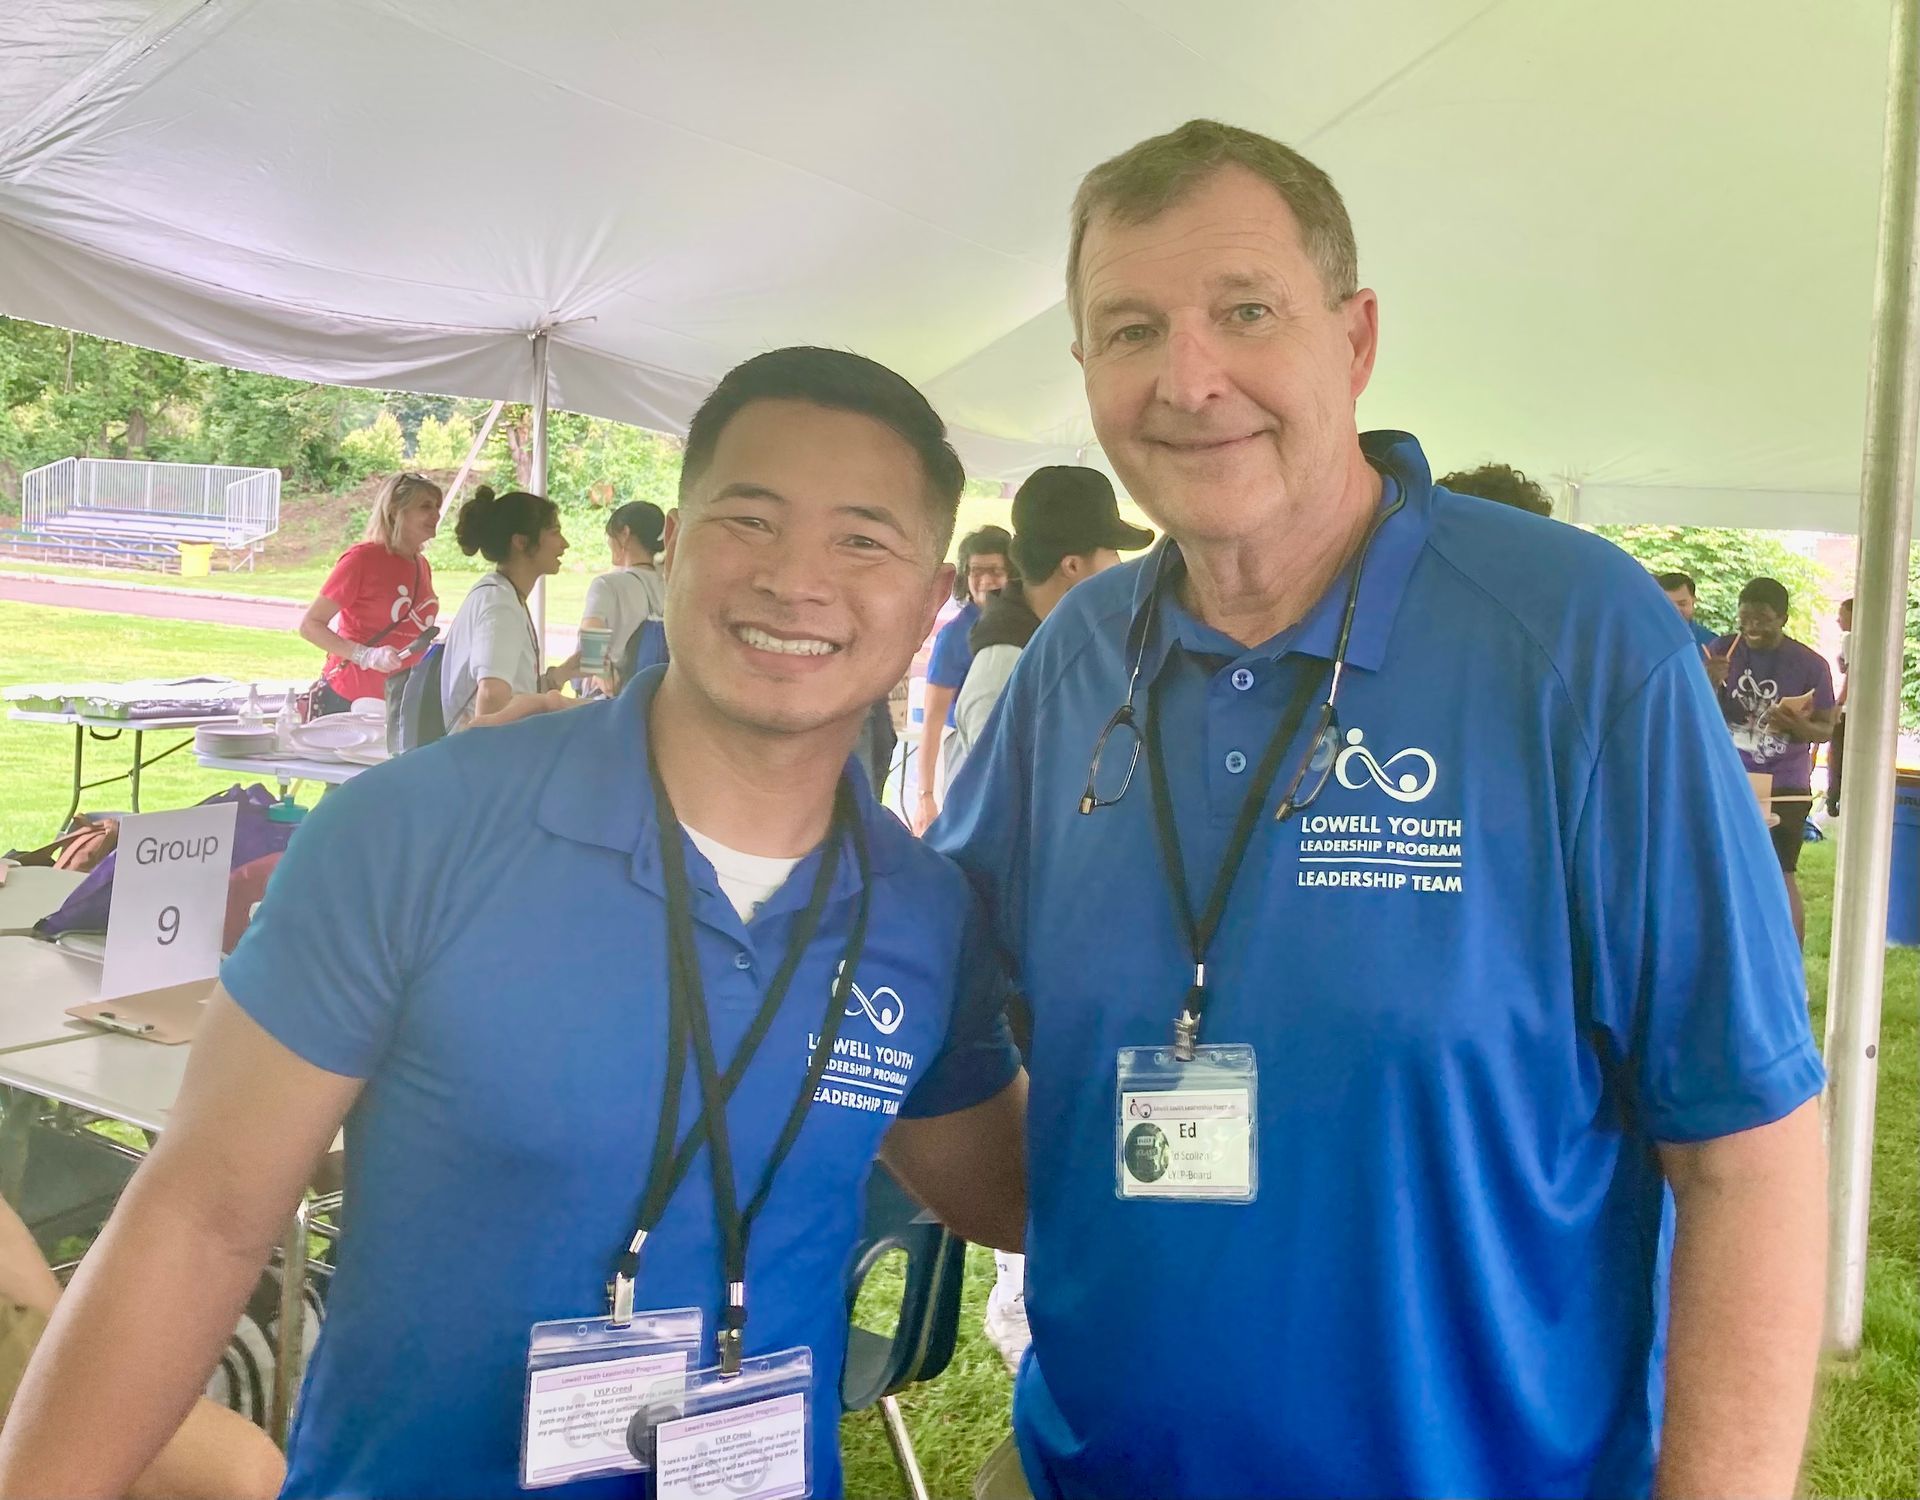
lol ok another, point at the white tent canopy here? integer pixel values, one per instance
(1625, 245)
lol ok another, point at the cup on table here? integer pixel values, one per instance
(593, 649)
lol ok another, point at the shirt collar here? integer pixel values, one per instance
(599, 791)
(1383, 581)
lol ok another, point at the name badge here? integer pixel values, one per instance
(586, 1379)
(1187, 1130)
(746, 1436)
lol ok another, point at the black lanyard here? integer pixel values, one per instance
(687, 1021)
(1200, 930)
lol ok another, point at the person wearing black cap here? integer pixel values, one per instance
(622, 601)
(1066, 528)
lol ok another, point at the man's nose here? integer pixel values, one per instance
(1192, 373)
(794, 573)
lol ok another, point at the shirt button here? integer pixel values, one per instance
(1242, 679)
(1236, 762)
(742, 961)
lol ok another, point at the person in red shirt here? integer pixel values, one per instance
(379, 596)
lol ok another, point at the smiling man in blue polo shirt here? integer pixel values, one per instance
(1350, 1171)
(466, 955)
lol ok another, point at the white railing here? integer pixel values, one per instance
(229, 503)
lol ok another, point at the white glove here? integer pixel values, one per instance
(377, 658)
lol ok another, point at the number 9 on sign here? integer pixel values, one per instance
(169, 924)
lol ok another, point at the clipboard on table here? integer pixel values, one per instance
(169, 1016)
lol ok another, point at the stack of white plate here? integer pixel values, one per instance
(228, 740)
(358, 739)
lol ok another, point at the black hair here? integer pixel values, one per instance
(1501, 483)
(839, 381)
(987, 541)
(488, 523)
(1672, 581)
(1768, 591)
(642, 520)
(1036, 560)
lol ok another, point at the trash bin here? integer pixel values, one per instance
(1903, 878)
(196, 559)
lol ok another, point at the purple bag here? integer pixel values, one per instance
(254, 834)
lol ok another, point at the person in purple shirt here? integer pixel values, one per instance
(1777, 695)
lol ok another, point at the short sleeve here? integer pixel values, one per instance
(322, 967)
(1822, 681)
(983, 824)
(343, 583)
(1685, 953)
(600, 604)
(502, 644)
(986, 681)
(947, 666)
(978, 1058)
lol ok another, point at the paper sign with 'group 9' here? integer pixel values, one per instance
(169, 899)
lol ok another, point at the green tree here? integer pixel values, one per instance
(1722, 561)
(442, 445)
(291, 425)
(377, 448)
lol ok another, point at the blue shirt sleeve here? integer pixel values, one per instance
(978, 1059)
(947, 666)
(983, 824)
(1684, 948)
(323, 966)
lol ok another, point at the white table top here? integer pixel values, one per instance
(281, 767)
(121, 1077)
(183, 721)
(31, 892)
(37, 983)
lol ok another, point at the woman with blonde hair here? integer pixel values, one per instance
(379, 596)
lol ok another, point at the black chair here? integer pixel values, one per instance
(878, 1368)
(421, 719)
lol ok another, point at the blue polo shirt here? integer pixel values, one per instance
(1703, 635)
(1532, 928)
(477, 929)
(952, 652)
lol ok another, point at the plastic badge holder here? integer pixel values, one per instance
(747, 1436)
(586, 1381)
(1186, 1127)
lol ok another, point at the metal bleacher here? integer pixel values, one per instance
(120, 513)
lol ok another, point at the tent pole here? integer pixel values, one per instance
(537, 475)
(1858, 963)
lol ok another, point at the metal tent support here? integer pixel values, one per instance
(1858, 968)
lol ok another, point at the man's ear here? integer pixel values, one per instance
(939, 591)
(668, 537)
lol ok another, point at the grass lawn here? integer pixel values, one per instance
(1867, 1430)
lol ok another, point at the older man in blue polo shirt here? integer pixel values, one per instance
(1419, 1047)
(523, 965)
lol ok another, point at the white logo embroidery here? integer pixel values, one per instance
(883, 1007)
(1406, 787)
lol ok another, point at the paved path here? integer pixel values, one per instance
(260, 612)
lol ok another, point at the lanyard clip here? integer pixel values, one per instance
(732, 1332)
(1186, 1031)
(1186, 1026)
(620, 1289)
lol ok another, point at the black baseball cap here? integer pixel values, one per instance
(1073, 509)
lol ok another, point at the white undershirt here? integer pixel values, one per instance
(745, 879)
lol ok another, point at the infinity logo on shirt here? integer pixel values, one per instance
(883, 1007)
(1406, 787)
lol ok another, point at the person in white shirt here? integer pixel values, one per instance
(1066, 528)
(492, 672)
(635, 591)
